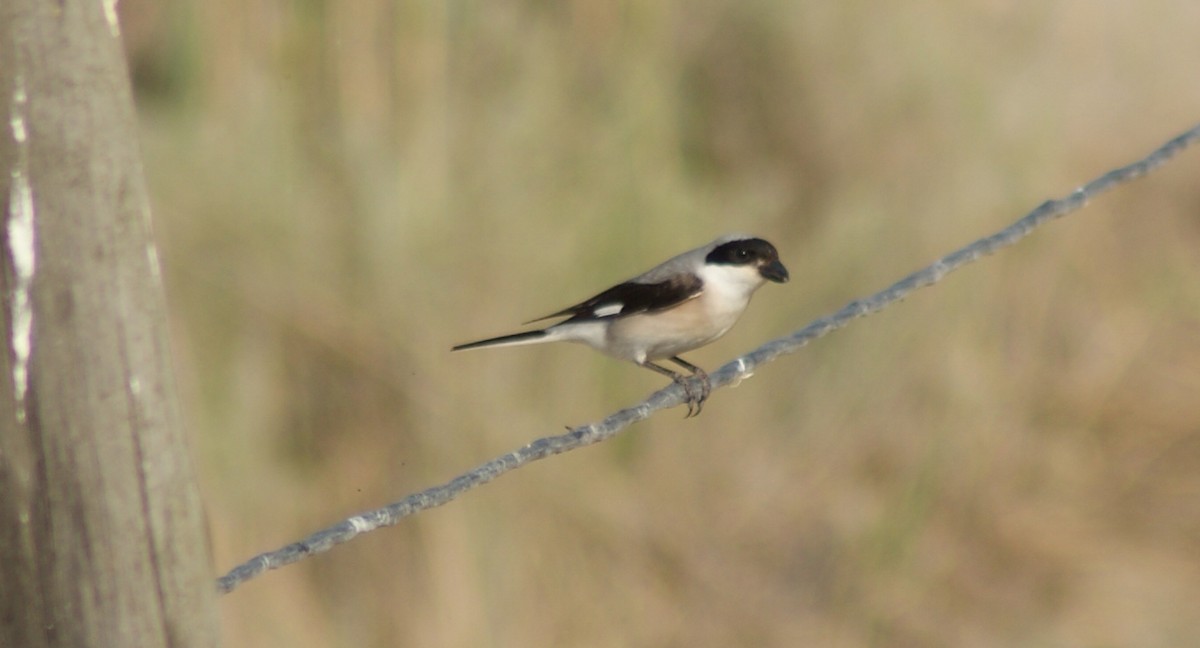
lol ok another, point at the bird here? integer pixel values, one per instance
(679, 305)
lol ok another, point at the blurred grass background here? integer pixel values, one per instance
(342, 190)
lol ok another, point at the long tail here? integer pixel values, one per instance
(516, 339)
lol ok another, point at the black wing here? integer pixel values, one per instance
(632, 297)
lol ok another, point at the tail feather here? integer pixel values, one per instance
(516, 339)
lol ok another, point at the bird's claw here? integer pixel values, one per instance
(694, 400)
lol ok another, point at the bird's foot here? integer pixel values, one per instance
(705, 383)
(694, 394)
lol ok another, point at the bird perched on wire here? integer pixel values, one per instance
(683, 303)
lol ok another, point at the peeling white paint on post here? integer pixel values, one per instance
(110, 12)
(152, 258)
(151, 249)
(21, 247)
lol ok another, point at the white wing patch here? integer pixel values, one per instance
(608, 309)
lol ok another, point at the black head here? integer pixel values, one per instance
(753, 252)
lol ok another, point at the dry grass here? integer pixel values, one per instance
(344, 190)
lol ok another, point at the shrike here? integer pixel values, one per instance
(682, 304)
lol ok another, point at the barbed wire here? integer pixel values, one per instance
(731, 372)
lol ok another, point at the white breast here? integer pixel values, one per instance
(692, 324)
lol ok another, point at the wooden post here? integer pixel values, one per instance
(102, 539)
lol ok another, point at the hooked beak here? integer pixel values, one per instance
(774, 271)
